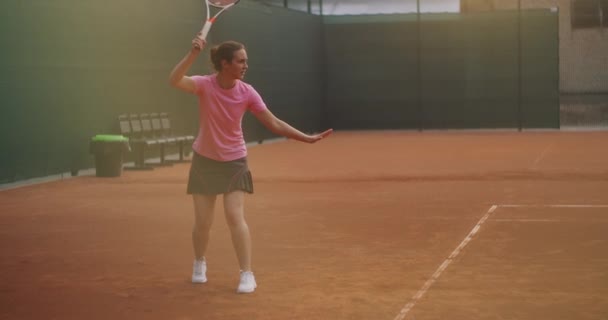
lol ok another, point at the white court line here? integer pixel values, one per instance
(541, 156)
(443, 266)
(427, 285)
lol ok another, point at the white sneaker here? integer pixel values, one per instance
(199, 271)
(247, 283)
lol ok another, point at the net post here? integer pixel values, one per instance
(519, 68)
(419, 67)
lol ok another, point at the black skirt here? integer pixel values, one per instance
(208, 176)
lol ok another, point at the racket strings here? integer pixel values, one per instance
(222, 3)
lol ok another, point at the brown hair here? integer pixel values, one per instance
(224, 51)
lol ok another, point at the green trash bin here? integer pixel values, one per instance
(109, 151)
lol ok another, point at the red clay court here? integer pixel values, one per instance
(363, 225)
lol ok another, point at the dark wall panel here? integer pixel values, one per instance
(540, 69)
(469, 70)
(68, 68)
(371, 72)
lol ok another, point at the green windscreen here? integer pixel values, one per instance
(540, 69)
(69, 68)
(443, 70)
(371, 72)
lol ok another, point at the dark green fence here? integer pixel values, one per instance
(68, 68)
(443, 71)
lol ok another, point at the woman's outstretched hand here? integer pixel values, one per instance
(316, 137)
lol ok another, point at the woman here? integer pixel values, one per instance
(219, 164)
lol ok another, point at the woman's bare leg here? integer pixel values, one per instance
(204, 206)
(235, 218)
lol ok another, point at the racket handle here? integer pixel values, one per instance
(205, 30)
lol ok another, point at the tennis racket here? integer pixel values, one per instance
(222, 5)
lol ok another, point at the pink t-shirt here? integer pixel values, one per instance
(220, 136)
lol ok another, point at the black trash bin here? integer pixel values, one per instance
(109, 151)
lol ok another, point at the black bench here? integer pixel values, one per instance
(166, 131)
(146, 131)
(138, 131)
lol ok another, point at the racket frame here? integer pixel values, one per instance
(209, 21)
